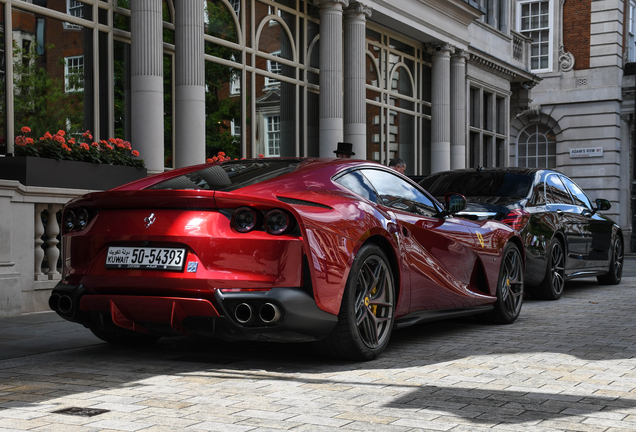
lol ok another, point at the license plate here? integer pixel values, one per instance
(146, 258)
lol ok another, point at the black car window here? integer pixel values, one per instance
(396, 193)
(538, 195)
(356, 182)
(556, 193)
(479, 184)
(579, 196)
(230, 176)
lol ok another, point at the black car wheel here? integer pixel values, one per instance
(551, 287)
(615, 273)
(124, 338)
(367, 312)
(509, 287)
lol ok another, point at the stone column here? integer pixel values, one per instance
(147, 82)
(330, 98)
(189, 84)
(440, 109)
(458, 109)
(355, 107)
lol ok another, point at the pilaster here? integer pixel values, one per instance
(330, 98)
(458, 109)
(147, 82)
(355, 122)
(189, 84)
(440, 106)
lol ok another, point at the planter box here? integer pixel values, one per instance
(34, 171)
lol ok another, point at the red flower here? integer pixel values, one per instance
(135, 153)
(221, 153)
(25, 129)
(65, 147)
(61, 132)
(103, 142)
(47, 135)
(127, 145)
(84, 146)
(19, 140)
(109, 147)
(120, 145)
(208, 160)
(71, 141)
(87, 135)
(112, 140)
(260, 155)
(59, 138)
(95, 144)
(29, 140)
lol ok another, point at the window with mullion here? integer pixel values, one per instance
(535, 22)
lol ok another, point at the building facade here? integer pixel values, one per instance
(581, 117)
(438, 83)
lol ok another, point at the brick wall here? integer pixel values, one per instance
(576, 31)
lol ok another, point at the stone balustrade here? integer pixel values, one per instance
(30, 260)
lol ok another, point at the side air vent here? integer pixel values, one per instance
(302, 202)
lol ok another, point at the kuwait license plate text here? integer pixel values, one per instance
(145, 258)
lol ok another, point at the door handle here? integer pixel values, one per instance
(559, 212)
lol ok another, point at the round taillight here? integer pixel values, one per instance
(69, 220)
(82, 218)
(277, 222)
(244, 219)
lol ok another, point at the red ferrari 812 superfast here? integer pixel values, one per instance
(338, 252)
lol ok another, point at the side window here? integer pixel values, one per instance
(556, 193)
(357, 183)
(396, 193)
(580, 199)
(538, 195)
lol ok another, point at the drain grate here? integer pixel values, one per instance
(207, 359)
(83, 412)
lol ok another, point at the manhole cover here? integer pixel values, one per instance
(84, 412)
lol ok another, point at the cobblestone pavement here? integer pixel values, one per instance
(565, 365)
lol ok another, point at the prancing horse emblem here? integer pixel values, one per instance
(150, 220)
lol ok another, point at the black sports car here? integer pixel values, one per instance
(565, 235)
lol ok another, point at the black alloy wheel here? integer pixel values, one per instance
(615, 272)
(551, 287)
(509, 287)
(367, 312)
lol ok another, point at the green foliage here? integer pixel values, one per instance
(41, 100)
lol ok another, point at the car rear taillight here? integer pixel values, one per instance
(76, 220)
(277, 222)
(245, 219)
(517, 219)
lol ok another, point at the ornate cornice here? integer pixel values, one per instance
(491, 66)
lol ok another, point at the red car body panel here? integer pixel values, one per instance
(441, 262)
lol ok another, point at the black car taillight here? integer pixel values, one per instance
(76, 220)
(277, 222)
(517, 219)
(245, 219)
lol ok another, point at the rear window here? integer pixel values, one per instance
(230, 175)
(479, 183)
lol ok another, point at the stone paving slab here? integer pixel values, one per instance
(568, 365)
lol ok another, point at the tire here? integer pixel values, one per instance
(615, 273)
(551, 287)
(367, 312)
(124, 338)
(509, 288)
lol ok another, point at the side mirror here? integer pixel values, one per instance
(454, 202)
(603, 204)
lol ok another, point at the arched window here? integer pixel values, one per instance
(536, 147)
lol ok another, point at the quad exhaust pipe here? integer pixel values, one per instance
(62, 304)
(268, 313)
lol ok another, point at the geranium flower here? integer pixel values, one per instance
(71, 141)
(208, 160)
(135, 153)
(29, 140)
(65, 147)
(84, 146)
(47, 135)
(95, 144)
(87, 135)
(25, 129)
